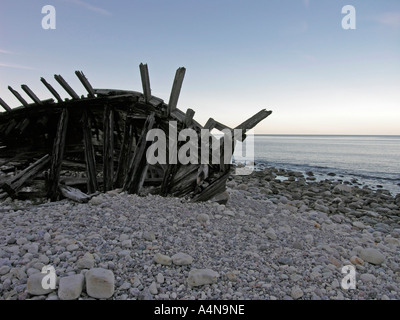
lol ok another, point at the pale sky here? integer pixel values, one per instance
(289, 56)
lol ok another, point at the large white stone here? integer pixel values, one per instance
(162, 259)
(181, 259)
(372, 255)
(86, 262)
(70, 287)
(34, 285)
(199, 277)
(100, 283)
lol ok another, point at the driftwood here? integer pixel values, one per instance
(98, 142)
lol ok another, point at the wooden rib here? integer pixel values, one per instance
(5, 105)
(189, 117)
(31, 95)
(18, 96)
(66, 86)
(254, 120)
(144, 74)
(176, 89)
(90, 158)
(108, 148)
(210, 124)
(85, 82)
(51, 89)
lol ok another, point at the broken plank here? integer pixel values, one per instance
(176, 89)
(51, 89)
(90, 158)
(18, 96)
(31, 94)
(15, 183)
(5, 105)
(58, 155)
(66, 86)
(74, 194)
(85, 82)
(144, 74)
(108, 148)
(189, 118)
(138, 165)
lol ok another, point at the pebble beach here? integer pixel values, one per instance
(281, 236)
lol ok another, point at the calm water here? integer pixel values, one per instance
(372, 160)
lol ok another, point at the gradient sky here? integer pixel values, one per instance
(288, 56)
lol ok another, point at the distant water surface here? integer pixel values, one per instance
(372, 160)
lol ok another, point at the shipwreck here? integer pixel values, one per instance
(82, 145)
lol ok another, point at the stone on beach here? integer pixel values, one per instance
(35, 286)
(100, 283)
(372, 255)
(199, 277)
(162, 259)
(70, 287)
(86, 262)
(181, 259)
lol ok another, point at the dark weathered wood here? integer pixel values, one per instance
(85, 82)
(216, 187)
(58, 155)
(210, 124)
(176, 89)
(138, 165)
(144, 73)
(51, 89)
(66, 86)
(74, 194)
(31, 94)
(189, 118)
(108, 148)
(254, 120)
(18, 96)
(90, 158)
(5, 105)
(125, 153)
(15, 183)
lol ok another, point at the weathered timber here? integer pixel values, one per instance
(58, 154)
(216, 187)
(31, 94)
(253, 121)
(51, 89)
(85, 82)
(5, 105)
(74, 194)
(66, 86)
(16, 183)
(108, 148)
(19, 97)
(189, 118)
(126, 151)
(144, 73)
(138, 165)
(176, 89)
(90, 157)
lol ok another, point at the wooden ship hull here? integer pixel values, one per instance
(84, 145)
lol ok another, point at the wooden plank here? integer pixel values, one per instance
(189, 118)
(66, 86)
(125, 153)
(51, 89)
(5, 105)
(144, 74)
(108, 148)
(176, 89)
(74, 194)
(57, 155)
(210, 124)
(15, 183)
(31, 94)
(85, 82)
(216, 187)
(90, 158)
(138, 165)
(254, 120)
(18, 96)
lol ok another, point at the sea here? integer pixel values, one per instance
(372, 161)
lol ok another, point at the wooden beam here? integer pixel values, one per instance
(254, 120)
(138, 165)
(108, 148)
(18, 96)
(66, 86)
(58, 155)
(176, 89)
(189, 118)
(144, 74)
(51, 89)
(85, 82)
(15, 183)
(210, 124)
(5, 105)
(90, 158)
(74, 194)
(31, 95)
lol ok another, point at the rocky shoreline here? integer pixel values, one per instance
(284, 239)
